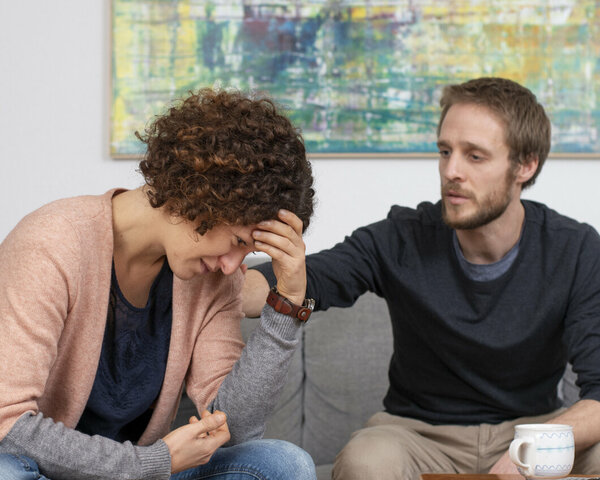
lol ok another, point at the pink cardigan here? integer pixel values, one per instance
(55, 272)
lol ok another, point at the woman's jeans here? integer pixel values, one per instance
(255, 460)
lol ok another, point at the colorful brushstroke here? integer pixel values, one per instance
(357, 77)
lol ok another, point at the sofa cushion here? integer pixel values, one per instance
(346, 358)
(568, 391)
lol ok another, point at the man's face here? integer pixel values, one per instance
(477, 177)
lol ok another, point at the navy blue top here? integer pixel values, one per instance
(132, 362)
(469, 351)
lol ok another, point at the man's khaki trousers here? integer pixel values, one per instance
(393, 447)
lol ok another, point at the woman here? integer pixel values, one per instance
(110, 304)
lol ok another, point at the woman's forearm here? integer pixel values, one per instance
(65, 453)
(250, 392)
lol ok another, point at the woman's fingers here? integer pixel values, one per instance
(274, 246)
(282, 241)
(210, 422)
(286, 221)
(275, 236)
(195, 443)
(292, 220)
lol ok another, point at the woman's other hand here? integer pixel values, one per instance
(282, 241)
(194, 444)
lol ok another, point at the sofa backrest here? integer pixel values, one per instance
(337, 379)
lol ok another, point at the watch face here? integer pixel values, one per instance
(309, 303)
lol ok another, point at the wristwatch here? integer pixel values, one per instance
(283, 305)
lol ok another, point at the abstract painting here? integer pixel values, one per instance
(358, 78)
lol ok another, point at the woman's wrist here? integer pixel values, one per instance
(296, 299)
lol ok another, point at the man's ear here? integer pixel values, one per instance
(527, 169)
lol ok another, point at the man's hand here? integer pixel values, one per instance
(504, 465)
(282, 241)
(194, 444)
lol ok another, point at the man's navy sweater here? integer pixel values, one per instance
(465, 351)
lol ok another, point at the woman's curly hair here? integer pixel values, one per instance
(220, 157)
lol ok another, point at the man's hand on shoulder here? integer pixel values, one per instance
(254, 293)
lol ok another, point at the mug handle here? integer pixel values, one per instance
(513, 452)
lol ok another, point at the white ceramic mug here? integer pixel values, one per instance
(543, 450)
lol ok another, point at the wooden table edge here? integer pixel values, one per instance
(468, 476)
(477, 476)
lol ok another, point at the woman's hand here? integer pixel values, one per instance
(195, 443)
(282, 241)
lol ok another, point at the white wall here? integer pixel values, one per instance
(54, 63)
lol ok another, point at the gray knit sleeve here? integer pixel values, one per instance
(248, 395)
(67, 454)
(250, 392)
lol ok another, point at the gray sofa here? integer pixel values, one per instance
(337, 380)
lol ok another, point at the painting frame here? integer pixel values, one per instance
(314, 153)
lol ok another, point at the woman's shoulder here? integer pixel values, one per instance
(83, 216)
(78, 209)
(64, 232)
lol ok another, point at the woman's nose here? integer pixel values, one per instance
(231, 261)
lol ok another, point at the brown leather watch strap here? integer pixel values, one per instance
(283, 305)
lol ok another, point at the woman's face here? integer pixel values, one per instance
(223, 247)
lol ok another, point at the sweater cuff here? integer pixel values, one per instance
(156, 461)
(279, 325)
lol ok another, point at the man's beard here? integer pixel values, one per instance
(489, 209)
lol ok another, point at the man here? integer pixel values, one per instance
(489, 297)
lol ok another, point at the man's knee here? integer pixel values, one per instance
(588, 461)
(374, 452)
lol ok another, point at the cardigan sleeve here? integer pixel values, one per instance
(37, 261)
(39, 271)
(65, 453)
(218, 343)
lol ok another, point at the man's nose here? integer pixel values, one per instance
(452, 168)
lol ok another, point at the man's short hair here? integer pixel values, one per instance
(526, 124)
